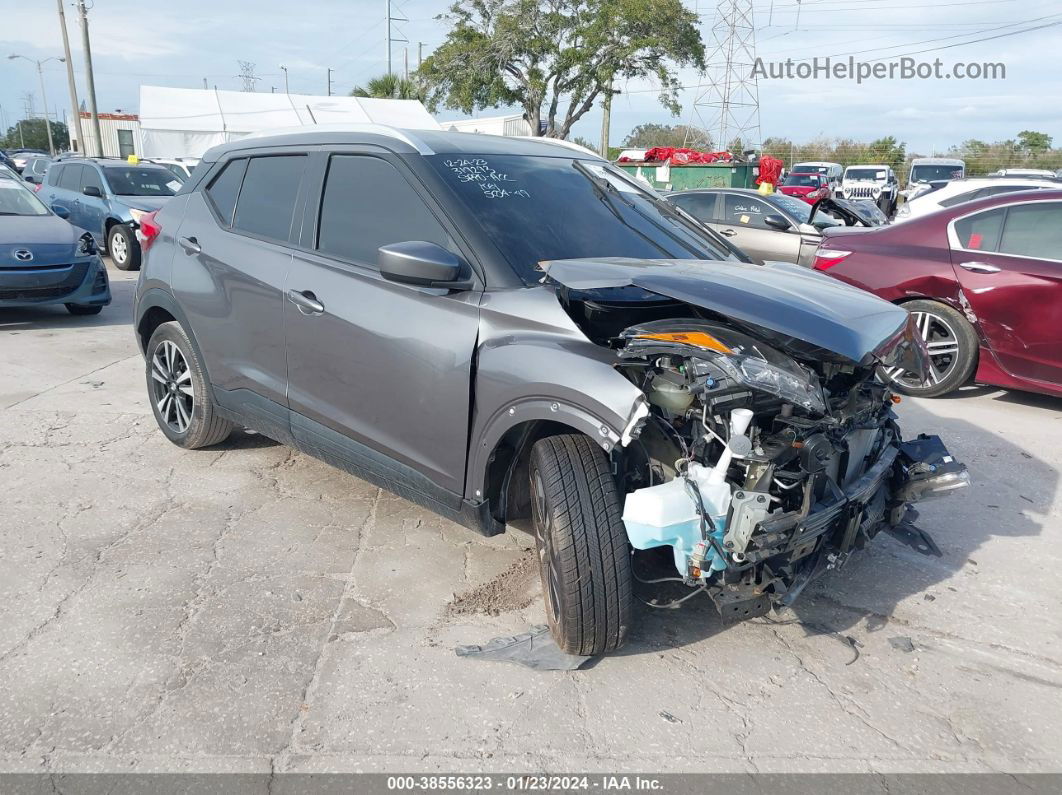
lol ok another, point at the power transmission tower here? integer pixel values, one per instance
(28, 104)
(728, 105)
(391, 37)
(247, 75)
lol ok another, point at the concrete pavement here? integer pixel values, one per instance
(249, 608)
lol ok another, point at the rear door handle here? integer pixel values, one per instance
(189, 244)
(979, 267)
(728, 233)
(306, 301)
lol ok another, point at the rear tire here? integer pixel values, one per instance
(178, 391)
(584, 559)
(950, 370)
(81, 309)
(123, 248)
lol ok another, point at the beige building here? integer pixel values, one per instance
(120, 133)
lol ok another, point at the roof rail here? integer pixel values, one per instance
(405, 136)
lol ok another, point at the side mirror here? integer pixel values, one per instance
(777, 222)
(421, 263)
(92, 190)
(61, 212)
(28, 179)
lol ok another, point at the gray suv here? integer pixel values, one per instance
(497, 328)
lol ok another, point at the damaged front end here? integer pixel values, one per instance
(764, 458)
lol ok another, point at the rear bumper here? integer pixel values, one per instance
(84, 283)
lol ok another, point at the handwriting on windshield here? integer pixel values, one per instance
(492, 183)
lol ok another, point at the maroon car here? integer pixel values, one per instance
(983, 280)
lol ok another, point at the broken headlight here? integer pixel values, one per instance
(929, 471)
(86, 246)
(734, 356)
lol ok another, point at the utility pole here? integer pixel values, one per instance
(285, 70)
(329, 81)
(407, 63)
(420, 54)
(91, 80)
(44, 95)
(71, 85)
(205, 86)
(606, 120)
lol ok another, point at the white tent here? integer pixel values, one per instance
(185, 122)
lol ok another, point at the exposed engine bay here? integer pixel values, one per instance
(763, 460)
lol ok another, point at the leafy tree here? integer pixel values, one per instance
(649, 134)
(35, 136)
(390, 86)
(889, 151)
(585, 143)
(555, 58)
(1035, 143)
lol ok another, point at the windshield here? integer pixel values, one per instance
(803, 180)
(538, 208)
(934, 173)
(866, 174)
(139, 181)
(800, 210)
(17, 200)
(810, 169)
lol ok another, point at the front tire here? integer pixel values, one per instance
(123, 248)
(953, 349)
(584, 559)
(178, 391)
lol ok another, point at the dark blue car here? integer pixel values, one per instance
(44, 259)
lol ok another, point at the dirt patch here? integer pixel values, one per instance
(513, 589)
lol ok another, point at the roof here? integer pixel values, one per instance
(111, 116)
(937, 161)
(403, 141)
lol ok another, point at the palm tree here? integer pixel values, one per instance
(390, 86)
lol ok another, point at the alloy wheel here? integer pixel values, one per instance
(943, 345)
(547, 565)
(119, 249)
(171, 383)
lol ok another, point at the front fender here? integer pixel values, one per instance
(534, 364)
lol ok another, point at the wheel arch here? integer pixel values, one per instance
(155, 307)
(506, 479)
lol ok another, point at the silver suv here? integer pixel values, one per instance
(497, 328)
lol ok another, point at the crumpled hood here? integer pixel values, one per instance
(50, 239)
(796, 304)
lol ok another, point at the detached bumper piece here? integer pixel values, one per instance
(929, 471)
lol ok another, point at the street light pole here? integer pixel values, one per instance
(74, 107)
(83, 12)
(44, 95)
(285, 69)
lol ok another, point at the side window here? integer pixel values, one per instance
(1033, 230)
(744, 211)
(54, 174)
(267, 199)
(970, 195)
(225, 187)
(367, 203)
(700, 205)
(70, 179)
(980, 232)
(89, 176)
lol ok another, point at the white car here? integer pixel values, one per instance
(876, 182)
(964, 190)
(1024, 172)
(181, 166)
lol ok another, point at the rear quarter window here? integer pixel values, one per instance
(225, 188)
(980, 232)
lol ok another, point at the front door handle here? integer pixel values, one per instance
(190, 245)
(728, 233)
(979, 267)
(306, 301)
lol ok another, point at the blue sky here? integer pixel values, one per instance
(181, 43)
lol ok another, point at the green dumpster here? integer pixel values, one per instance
(695, 175)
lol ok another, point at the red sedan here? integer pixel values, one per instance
(802, 186)
(983, 280)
